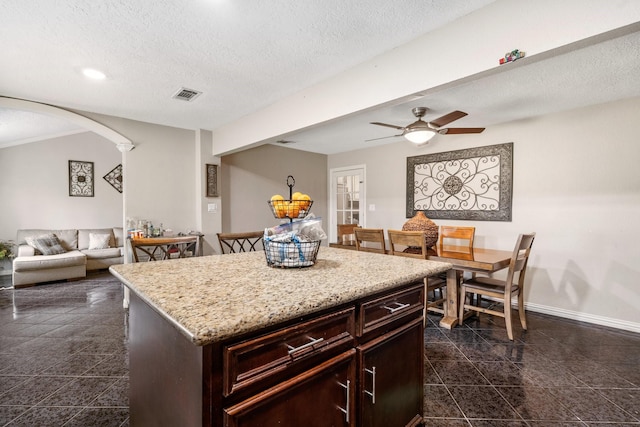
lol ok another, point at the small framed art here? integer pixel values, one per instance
(212, 180)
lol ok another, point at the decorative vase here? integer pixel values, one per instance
(420, 222)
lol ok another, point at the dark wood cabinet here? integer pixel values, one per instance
(320, 397)
(359, 364)
(390, 370)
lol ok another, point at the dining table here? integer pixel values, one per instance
(477, 260)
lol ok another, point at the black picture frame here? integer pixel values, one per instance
(470, 184)
(114, 178)
(80, 178)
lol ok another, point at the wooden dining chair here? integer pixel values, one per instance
(503, 290)
(460, 236)
(345, 233)
(373, 239)
(413, 244)
(457, 239)
(249, 241)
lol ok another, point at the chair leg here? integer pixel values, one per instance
(521, 312)
(507, 317)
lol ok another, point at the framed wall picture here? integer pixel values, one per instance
(212, 180)
(80, 178)
(114, 177)
(471, 184)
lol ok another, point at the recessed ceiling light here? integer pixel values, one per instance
(94, 74)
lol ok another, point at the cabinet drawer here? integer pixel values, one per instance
(256, 359)
(383, 312)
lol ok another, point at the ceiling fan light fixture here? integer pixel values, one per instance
(419, 136)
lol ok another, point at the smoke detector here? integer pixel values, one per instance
(185, 94)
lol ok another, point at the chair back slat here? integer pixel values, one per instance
(346, 232)
(373, 236)
(448, 232)
(241, 242)
(519, 259)
(407, 243)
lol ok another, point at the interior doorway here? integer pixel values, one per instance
(347, 198)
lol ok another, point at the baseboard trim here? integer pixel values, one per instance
(583, 317)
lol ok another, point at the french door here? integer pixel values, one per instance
(347, 198)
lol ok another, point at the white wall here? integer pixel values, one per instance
(34, 185)
(576, 183)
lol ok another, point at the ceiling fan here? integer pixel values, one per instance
(419, 132)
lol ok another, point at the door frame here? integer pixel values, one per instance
(333, 233)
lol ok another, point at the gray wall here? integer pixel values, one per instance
(251, 177)
(576, 183)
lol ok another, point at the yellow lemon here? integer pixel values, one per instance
(276, 197)
(305, 201)
(296, 195)
(280, 208)
(293, 210)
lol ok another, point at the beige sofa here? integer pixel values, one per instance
(80, 254)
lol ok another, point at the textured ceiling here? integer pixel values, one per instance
(599, 73)
(247, 55)
(243, 55)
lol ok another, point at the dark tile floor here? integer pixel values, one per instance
(63, 362)
(558, 373)
(63, 354)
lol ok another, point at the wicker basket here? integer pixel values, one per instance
(291, 254)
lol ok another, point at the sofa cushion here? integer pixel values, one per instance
(102, 253)
(99, 241)
(67, 259)
(46, 244)
(84, 233)
(118, 233)
(68, 238)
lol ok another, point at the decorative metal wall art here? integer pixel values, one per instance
(212, 180)
(471, 184)
(80, 178)
(114, 177)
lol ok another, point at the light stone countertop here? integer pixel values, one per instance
(216, 297)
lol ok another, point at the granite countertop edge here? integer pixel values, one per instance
(217, 297)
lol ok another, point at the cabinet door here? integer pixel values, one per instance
(390, 370)
(320, 397)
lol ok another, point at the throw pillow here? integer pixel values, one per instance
(46, 244)
(99, 241)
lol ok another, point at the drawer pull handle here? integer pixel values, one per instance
(398, 306)
(372, 393)
(309, 344)
(346, 411)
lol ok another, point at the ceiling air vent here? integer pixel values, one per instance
(284, 141)
(185, 94)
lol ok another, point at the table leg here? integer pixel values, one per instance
(450, 318)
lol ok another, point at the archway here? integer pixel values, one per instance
(122, 143)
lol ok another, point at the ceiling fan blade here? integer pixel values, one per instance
(387, 125)
(384, 137)
(448, 118)
(454, 131)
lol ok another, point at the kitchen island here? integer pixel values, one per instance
(227, 340)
